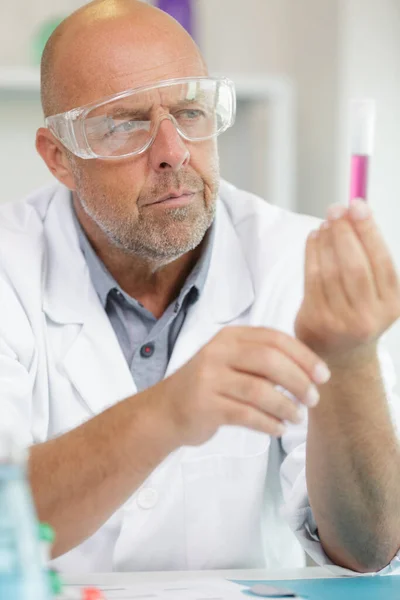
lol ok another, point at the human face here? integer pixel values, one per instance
(132, 200)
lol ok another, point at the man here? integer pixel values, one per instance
(158, 351)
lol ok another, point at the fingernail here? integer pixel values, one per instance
(359, 210)
(336, 211)
(314, 234)
(312, 396)
(321, 374)
(324, 225)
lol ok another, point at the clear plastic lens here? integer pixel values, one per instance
(200, 109)
(127, 123)
(113, 136)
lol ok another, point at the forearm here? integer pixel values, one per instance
(353, 469)
(81, 478)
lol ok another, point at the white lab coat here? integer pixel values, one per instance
(215, 506)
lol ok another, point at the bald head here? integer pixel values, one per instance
(108, 46)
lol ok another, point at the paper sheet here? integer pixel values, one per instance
(203, 589)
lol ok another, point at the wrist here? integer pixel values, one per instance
(151, 414)
(355, 378)
(361, 359)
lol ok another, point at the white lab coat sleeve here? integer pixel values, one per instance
(297, 509)
(16, 376)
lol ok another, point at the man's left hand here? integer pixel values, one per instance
(352, 290)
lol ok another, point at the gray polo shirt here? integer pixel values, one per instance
(147, 342)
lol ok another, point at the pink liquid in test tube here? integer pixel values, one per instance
(359, 177)
(362, 122)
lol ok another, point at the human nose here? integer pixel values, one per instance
(168, 150)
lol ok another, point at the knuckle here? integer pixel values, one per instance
(226, 332)
(384, 259)
(227, 340)
(328, 323)
(284, 410)
(213, 351)
(205, 369)
(357, 272)
(236, 415)
(392, 276)
(270, 357)
(256, 389)
(333, 272)
(276, 338)
(249, 421)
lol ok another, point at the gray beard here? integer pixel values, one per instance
(145, 239)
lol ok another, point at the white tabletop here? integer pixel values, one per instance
(105, 579)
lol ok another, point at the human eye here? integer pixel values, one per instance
(190, 114)
(126, 126)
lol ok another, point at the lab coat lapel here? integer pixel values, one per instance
(227, 294)
(91, 355)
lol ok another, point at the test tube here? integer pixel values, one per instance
(362, 132)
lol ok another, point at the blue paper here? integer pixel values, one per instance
(386, 587)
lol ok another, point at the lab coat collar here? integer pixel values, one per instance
(69, 294)
(67, 287)
(93, 359)
(91, 356)
(229, 288)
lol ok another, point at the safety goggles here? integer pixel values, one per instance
(126, 123)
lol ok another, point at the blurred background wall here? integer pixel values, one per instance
(325, 51)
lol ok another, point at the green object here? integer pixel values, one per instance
(383, 587)
(41, 36)
(46, 533)
(55, 581)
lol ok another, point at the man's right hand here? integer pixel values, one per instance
(233, 381)
(82, 477)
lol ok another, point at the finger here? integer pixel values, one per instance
(243, 415)
(294, 349)
(313, 283)
(261, 394)
(272, 365)
(356, 271)
(331, 277)
(383, 268)
(336, 211)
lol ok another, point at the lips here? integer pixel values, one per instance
(170, 196)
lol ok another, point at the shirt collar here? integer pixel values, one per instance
(104, 282)
(101, 278)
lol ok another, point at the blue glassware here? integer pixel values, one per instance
(22, 576)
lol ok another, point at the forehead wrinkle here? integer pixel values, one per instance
(146, 76)
(110, 89)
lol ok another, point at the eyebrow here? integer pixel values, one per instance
(143, 114)
(131, 113)
(200, 97)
